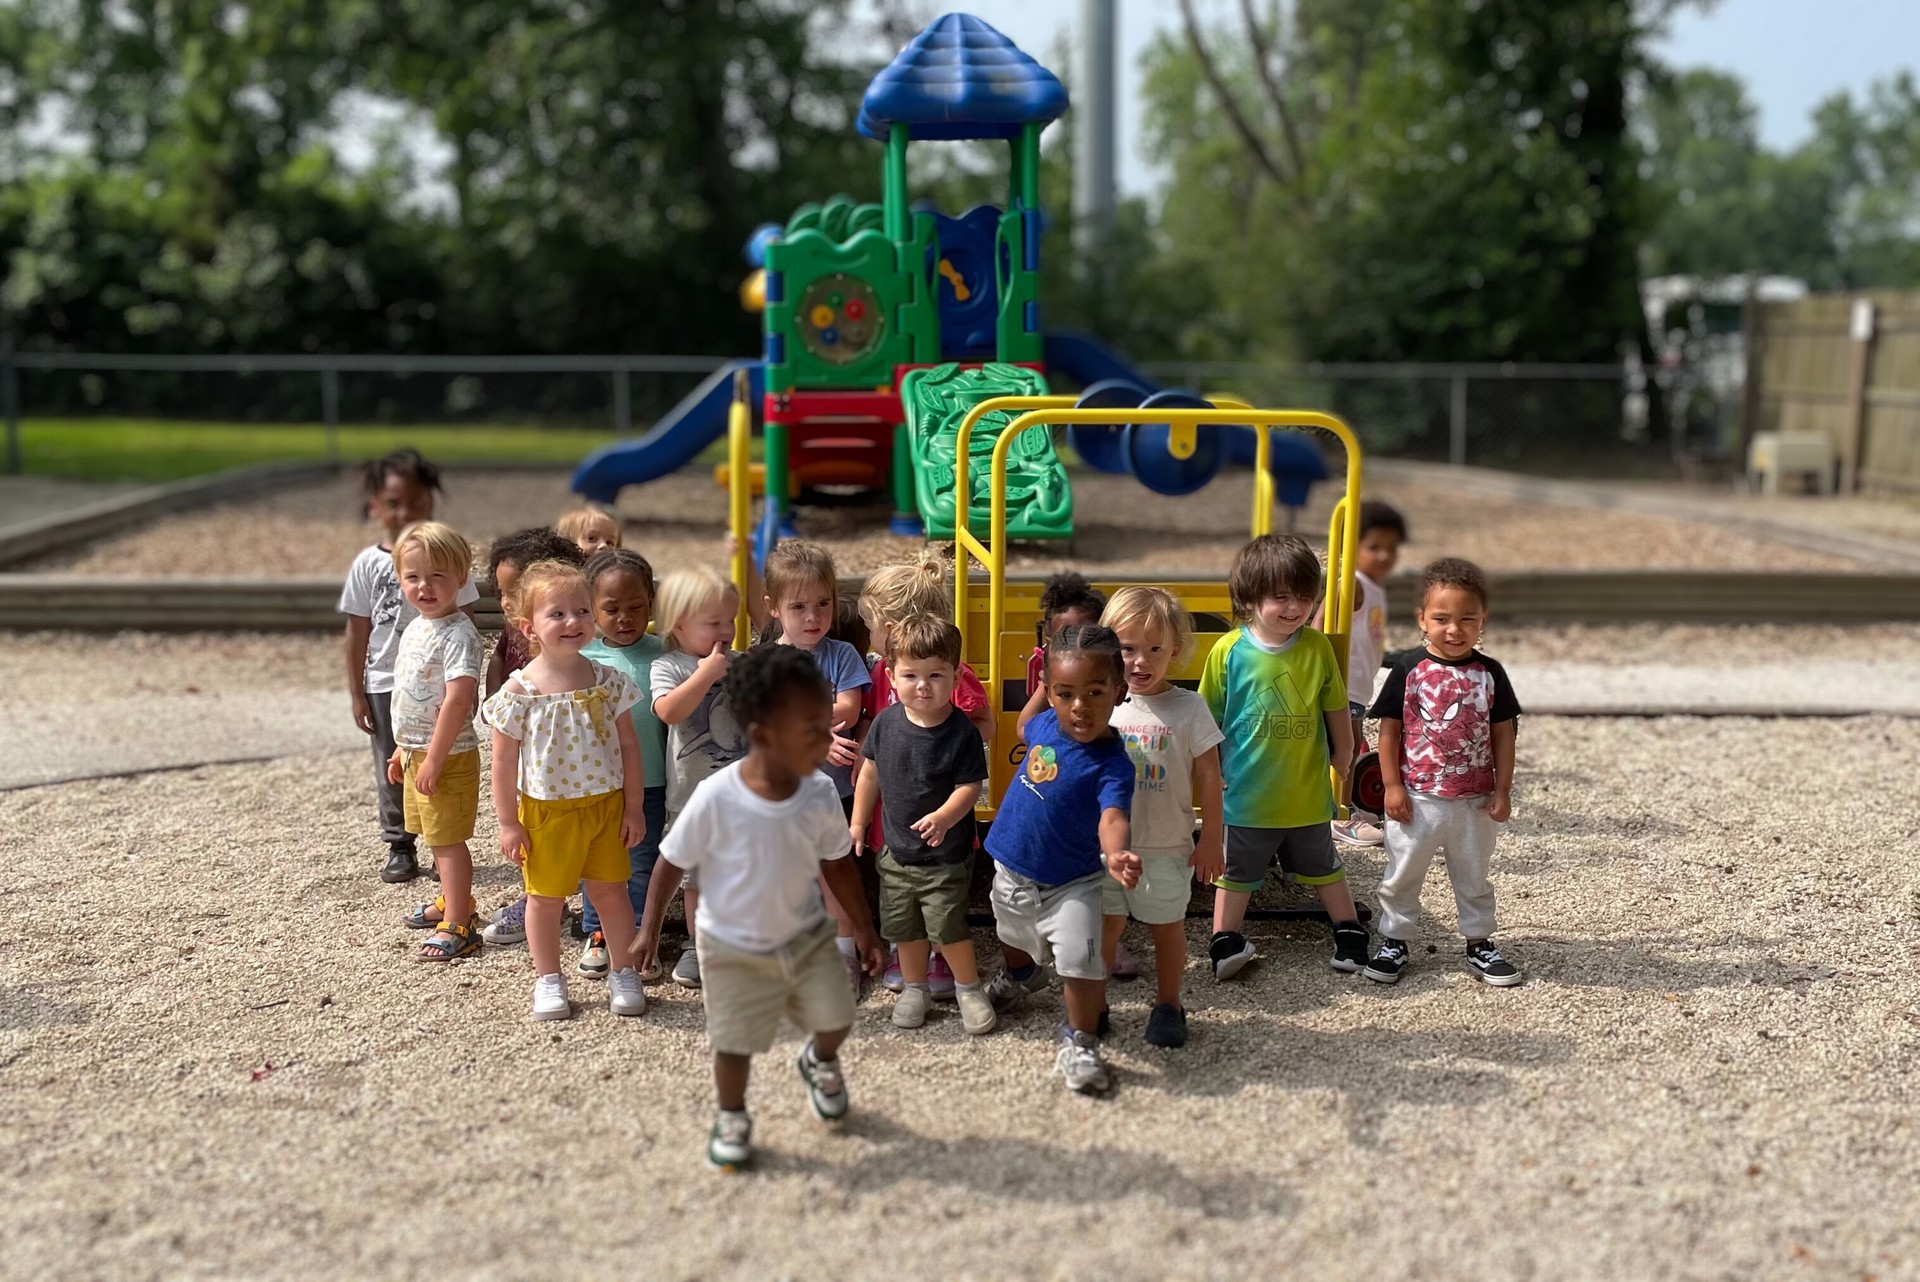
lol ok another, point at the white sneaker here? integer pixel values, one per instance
(730, 1142)
(593, 958)
(624, 994)
(976, 1012)
(910, 1008)
(550, 998)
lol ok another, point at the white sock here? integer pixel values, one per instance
(974, 987)
(922, 985)
(845, 943)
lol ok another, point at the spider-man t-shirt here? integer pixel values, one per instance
(1446, 708)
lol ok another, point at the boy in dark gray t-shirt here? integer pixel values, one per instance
(923, 766)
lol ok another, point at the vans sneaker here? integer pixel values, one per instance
(1485, 961)
(1389, 962)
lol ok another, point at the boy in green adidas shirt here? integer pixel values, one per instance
(1276, 690)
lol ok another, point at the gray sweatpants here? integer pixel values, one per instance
(1459, 826)
(393, 808)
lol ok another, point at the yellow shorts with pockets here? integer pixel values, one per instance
(571, 840)
(445, 818)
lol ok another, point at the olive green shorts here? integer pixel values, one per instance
(923, 901)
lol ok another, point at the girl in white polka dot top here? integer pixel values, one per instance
(567, 783)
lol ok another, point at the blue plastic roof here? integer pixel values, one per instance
(961, 79)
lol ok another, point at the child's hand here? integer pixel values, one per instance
(714, 667)
(1209, 862)
(873, 958)
(1500, 807)
(426, 776)
(362, 712)
(845, 751)
(514, 843)
(859, 836)
(396, 766)
(932, 828)
(1399, 804)
(1124, 868)
(633, 826)
(644, 953)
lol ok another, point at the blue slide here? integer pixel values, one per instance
(1087, 361)
(675, 441)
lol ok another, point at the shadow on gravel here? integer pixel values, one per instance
(1646, 966)
(1029, 1171)
(22, 1008)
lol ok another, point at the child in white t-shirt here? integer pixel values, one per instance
(399, 491)
(1175, 744)
(1382, 531)
(761, 834)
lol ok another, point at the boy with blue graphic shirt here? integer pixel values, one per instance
(1064, 815)
(1276, 690)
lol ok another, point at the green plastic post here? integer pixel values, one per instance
(904, 504)
(893, 179)
(1027, 166)
(776, 466)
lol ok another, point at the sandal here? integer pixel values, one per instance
(425, 916)
(451, 941)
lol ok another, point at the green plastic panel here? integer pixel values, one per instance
(841, 296)
(1039, 499)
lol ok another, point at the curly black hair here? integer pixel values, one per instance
(1454, 572)
(1088, 639)
(402, 462)
(527, 547)
(1067, 590)
(607, 560)
(1375, 515)
(767, 676)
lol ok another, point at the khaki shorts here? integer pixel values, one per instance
(1166, 886)
(573, 839)
(445, 818)
(923, 901)
(747, 993)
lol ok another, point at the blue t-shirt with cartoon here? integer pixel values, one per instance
(1048, 826)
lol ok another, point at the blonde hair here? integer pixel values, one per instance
(902, 590)
(1156, 607)
(575, 524)
(683, 592)
(538, 582)
(444, 548)
(795, 564)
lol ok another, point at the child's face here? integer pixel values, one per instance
(599, 533)
(431, 589)
(562, 621)
(1277, 618)
(796, 734)
(805, 614)
(1379, 551)
(1148, 652)
(1452, 619)
(925, 686)
(506, 577)
(622, 606)
(1082, 690)
(708, 626)
(398, 503)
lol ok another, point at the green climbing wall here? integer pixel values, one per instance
(1039, 501)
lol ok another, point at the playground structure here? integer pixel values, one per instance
(885, 324)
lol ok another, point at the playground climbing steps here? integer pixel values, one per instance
(1039, 499)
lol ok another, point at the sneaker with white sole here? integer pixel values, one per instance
(1390, 961)
(977, 1015)
(910, 1010)
(508, 929)
(1230, 952)
(550, 998)
(1485, 961)
(730, 1142)
(1006, 991)
(1125, 965)
(1080, 1064)
(826, 1085)
(1349, 947)
(593, 958)
(891, 979)
(624, 994)
(686, 971)
(1358, 832)
(940, 981)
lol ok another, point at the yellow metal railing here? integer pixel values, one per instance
(740, 501)
(1049, 411)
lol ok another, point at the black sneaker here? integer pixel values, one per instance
(1349, 946)
(1103, 1027)
(1167, 1026)
(1230, 953)
(1485, 961)
(400, 866)
(1388, 962)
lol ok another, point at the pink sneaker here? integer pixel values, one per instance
(1125, 964)
(891, 978)
(940, 979)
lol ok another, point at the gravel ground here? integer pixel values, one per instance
(1708, 1073)
(27, 498)
(1121, 528)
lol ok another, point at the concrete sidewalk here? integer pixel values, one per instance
(60, 742)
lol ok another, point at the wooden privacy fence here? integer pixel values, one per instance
(1847, 365)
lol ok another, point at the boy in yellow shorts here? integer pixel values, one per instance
(436, 678)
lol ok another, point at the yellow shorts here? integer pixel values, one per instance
(573, 839)
(445, 818)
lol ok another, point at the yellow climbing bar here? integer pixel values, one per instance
(740, 500)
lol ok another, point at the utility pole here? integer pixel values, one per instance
(1093, 132)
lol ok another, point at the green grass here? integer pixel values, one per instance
(113, 449)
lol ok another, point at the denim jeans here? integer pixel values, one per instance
(644, 856)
